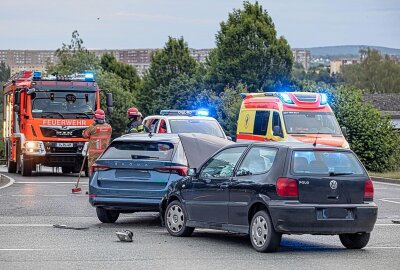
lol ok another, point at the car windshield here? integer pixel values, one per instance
(326, 162)
(139, 150)
(63, 104)
(311, 123)
(204, 126)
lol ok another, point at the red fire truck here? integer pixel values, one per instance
(43, 120)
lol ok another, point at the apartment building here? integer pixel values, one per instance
(336, 65)
(303, 57)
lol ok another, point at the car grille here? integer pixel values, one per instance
(61, 133)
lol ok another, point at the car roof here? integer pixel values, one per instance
(177, 117)
(291, 145)
(149, 137)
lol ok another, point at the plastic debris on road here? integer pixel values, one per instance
(125, 236)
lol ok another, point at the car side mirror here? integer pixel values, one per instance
(31, 91)
(344, 131)
(109, 102)
(229, 138)
(277, 131)
(192, 172)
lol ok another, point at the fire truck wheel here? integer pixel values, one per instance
(12, 166)
(26, 167)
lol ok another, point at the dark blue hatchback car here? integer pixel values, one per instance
(134, 172)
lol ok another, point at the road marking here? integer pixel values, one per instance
(23, 195)
(11, 180)
(382, 247)
(55, 195)
(389, 184)
(384, 200)
(24, 182)
(388, 224)
(26, 225)
(21, 249)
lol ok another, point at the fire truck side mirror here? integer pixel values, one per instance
(16, 108)
(109, 102)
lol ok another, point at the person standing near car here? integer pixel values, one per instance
(99, 135)
(135, 121)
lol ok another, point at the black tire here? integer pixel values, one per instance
(175, 220)
(263, 236)
(107, 216)
(66, 169)
(354, 240)
(26, 167)
(11, 166)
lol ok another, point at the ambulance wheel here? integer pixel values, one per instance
(11, 166)
(26, 167)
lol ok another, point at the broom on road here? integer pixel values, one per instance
(77, 189)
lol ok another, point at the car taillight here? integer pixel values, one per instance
(180, 170)
(98, 167)
(286, 187)
(369, 190)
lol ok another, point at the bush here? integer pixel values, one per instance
(370, 135)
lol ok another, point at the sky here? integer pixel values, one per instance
(123, 24)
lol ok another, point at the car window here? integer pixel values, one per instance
(222, 164)
(153, 125)
(257, 161)
(276, 122)
(326, 162)
(163, 127)
(139, 150)
(261, 123)
(204, 126)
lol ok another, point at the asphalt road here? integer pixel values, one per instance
(30, 207)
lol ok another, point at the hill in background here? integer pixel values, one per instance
(348, 51)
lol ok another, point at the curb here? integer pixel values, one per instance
(5, 181)
(385, 180)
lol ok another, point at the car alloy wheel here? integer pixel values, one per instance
(175, 218)
(259, 232)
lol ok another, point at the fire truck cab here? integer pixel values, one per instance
(43, 120)
(289, 116)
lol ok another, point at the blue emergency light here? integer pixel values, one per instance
(202, 112)
(324, 99)
(37, 75)
(285, 98)
(89, 77)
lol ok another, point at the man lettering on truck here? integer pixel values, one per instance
(99, 135)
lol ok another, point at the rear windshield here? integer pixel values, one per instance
(326, 162)
(196, 126)
(139, 150)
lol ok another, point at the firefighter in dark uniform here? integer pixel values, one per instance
(99, 135)
(135, 122)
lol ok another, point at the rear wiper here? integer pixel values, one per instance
(142, 157)
(338, 174)
(49, 113)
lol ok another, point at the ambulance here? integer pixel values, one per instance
(289, 117)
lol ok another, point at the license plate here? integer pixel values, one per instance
(64, 145)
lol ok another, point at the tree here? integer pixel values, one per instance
(5, 72)
(74, 58)
(123, 99)
(109, 63)
(248, 51)
(169, 63)
(376, 73)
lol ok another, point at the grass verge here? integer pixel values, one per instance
(393, 175)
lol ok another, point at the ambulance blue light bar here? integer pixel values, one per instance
(201, 112)
(324, 99)
(285, 98)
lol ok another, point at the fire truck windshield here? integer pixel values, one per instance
(63, 104)
(311, 123)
